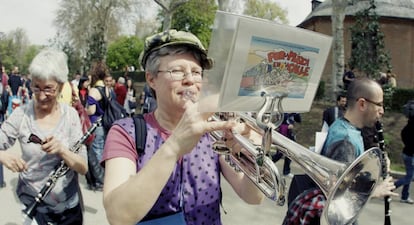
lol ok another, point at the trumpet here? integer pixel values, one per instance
(347, 187)
(251, 160)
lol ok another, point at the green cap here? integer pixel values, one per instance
(174, 37)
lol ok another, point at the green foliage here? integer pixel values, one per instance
(74, 61)
(29, 54)
(400, 97)
(266, 9)
(368, 48)
(7, 53)
(124, 52)
(197, 17)
(96, 49)
(388, 96)
(14, 53)
(320, 93)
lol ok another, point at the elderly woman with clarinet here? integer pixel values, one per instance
(47, 131)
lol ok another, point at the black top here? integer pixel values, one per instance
(406, 136)
(15, 81)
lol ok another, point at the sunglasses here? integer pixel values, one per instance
(33, 138)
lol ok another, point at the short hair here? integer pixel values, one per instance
(121, 80)
(153, 61)
(360, 88)
(50, 64)
(338, 98)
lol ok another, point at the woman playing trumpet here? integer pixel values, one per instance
(58, 127)
(178, 174)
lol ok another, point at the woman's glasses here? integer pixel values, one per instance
(178, 75)
(33, 138)
(46, 91)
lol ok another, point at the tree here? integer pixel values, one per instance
(197, 17)
(29, 54)
(266, 9)
(337, 17)
(80, 22)
(96, 48)
(234, 6)
(368, 49)
(13, 49)
(168, 8)
(124, 52)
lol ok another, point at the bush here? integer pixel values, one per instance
(321, 90)
(400, 97)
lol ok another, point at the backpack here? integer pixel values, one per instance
(112, 110)
(408, 109)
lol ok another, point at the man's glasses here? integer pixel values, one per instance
(46, 91)
(178, 75)
(33, 138)
(380, 104)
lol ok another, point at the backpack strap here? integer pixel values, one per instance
(104, 100)
(140, 133)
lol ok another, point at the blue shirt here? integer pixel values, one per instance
(344, 141)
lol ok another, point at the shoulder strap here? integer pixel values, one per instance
(140, 133)
(104, 99)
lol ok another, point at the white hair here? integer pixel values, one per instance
(50, 64)
(121, 80)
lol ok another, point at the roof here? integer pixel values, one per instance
(385, 8)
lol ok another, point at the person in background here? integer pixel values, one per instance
(4, 93)
(332, 113)
(408, 157)
(4, 99)
(93, 165)
(83, 88)
(120, 90)
(147, 100)
(348, 76)
(15, 83)
(383, 79)
(391, 78)
(109, 86)
(344, 143)
(58, 127)
(286, 128)
(130, 98)
(187, 185)
(25, 90)
(76, 79)
(101, 78)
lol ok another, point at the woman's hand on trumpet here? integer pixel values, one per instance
(246, 131)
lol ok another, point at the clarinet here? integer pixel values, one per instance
(60, 171)
(387, 199)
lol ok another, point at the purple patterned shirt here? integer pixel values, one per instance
(198, 173)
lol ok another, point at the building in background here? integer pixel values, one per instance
(397, 24)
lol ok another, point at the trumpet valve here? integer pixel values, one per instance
(220, 148)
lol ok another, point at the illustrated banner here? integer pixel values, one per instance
(254, 56)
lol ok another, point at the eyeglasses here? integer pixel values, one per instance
(178, 75)
(46, 91)
(380, 104)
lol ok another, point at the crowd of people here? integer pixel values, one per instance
(187, 188)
